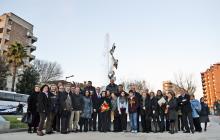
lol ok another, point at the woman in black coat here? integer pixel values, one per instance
(145, 112)
(32, 109)
(171, 110)
(154, 111)
(159, 96)
(204, 113)
(43, 107)
(104, 108)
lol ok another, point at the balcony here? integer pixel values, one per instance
(33, 48)
(33, 39)
(32, 57)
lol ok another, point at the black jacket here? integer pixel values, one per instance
(77, 102)
(52, 106)
(90, 88)
(154, 106)
(184, 103)
(113, 88)
(147, 105)
(60, 102)
(43, 103)
(138, 96)
(204, 109)
(102, 100)
(32, 102)
(95, 101)
(172, 110)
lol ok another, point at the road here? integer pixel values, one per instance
(212, 133)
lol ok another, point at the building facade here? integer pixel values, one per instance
(15, 29)
(168, 86)
(211, 84)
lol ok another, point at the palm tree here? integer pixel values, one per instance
(15, 55)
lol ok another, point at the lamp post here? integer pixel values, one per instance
(69, 77)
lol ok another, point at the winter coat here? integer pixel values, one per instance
(87, 108)
(145, 106)
(61, 101)
(196, 107)
(138, 96)
(161, 108)
(95, 101)
(32, 102)
(204, 113)
(133, 104)
(172, 109)
(106, 100)
(113, 88)
(52, 106)
(154, 107)
(43, 103)
(204, 109)
(77, 102)
(90, 88)
(184, 103)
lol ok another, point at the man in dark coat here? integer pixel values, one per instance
(112, 87)
(32, 108)
(64, 103)
(184, 103)
(77, 106)
(90, 88)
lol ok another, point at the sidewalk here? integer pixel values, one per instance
(212, 133)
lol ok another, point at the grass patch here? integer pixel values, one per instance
(14, 122)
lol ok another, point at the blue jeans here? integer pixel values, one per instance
(133, 120)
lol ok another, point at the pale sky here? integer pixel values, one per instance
(154, 39)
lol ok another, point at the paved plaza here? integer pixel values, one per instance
(213, 133)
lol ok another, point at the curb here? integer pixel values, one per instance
(13, 130)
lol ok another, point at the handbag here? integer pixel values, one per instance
(27, 118)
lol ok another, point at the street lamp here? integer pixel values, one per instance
(69, 77)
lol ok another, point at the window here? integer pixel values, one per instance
(10, 22)
(1, 30)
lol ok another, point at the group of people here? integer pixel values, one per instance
(69, 108)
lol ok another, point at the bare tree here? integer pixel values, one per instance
(140, 85)
(186, 82)
(48, 71)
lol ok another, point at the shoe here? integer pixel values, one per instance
(205, 129)
(35, 131)
(193, 131)
(50, 132)
(186, 132)
(135, 131)
(40, 133)
(64, 132)
(29, 131)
